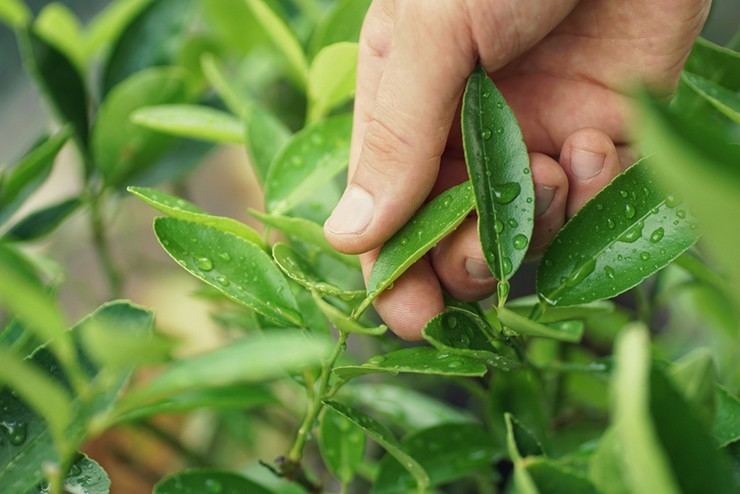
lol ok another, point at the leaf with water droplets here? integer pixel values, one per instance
(232, 265)
(570, 331)
(498, 165)
(207, 481)
(85, 476)
(587, 262)
(437, 219)
(461, 332)
(180, 208)
(308, 160)
(380, 434)
(342, 445)
(191, 121)
(448, 452)
(416, 360)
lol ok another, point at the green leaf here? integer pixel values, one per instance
(234, 266)
(232, 96)
(723, 99)
(44, 221)
(415, 360)
(195, 121)
(265, 136)
(29, 173)
(524, 305)
(342, 445)
(695, 376)
(341, 23)
(106, 27)
(521, 393)
(549, 477)
(463, 333)
(202, 480)
(727, 421)
(283, 39)
(606, 469)
(15, 13)
(437, 219)
(248, 360)
(61, 28)
(385, 438)
(152, 38)
(520, 441)
(120, 147)
(311, 158)
(715, 63)
(331, 78)
(85, 477)
(345, 323)
(571, 331)
(627, 232)
(448, 452)
(498, 165)
(59, 81)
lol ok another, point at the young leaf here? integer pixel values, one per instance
(463, 333)
(343, 322)
(448, 452)
(15, 13)
(61, 28)
(265, 136)
(331, 79)
(342, 445)
(437, 219)
(385, 438)
(202, 480)
(44, 221)
(627, 232)
(415, 360)
(195, 121)
(570, 331)
(311, 158)
(498, 165)
(234, 266)
(341, 23)
(723, 99)
(120, 147)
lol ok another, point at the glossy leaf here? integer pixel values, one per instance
(415, 360)
(194, 121)
(15, 13)
(571, 331)
(248, 360)
(85, 477)
(44, 221)
(59, 27)
(380, 434)
(106, 27)
(627, 232)
(342, 445)
(447, 452)
(460, 332)
(311, 158)
(727, 421)
(723, 99)
(120, 147)
(200, 481)
(498, 165)
(524, 305)
(345, 323)
(341, 23)
(331, 78)
(437, 219)
(152, 38)
(234, 266)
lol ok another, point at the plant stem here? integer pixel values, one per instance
(102, 248)
(314, 408)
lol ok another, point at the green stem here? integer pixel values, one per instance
(296, 452)
(642, 302)
(102, 248)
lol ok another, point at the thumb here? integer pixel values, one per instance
(406, 127)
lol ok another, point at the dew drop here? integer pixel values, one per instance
(454, 364)
(600, 207)
(657, 235)
(610, 272)
(672, 201)
(549, 263)
(629, 211)
(513, 223)
(633, 234)
(520, 242)
(16, 431)
(223, 281)
(378, 359)
(644, 256)
(681, 213)
(224, 256)
(529, 200)
(526, 172)
(499, 105)
(486, 134)
(404, 240)
(580, 272)
(486, 94)
(623, 194)
(500, 130)
(498, 225)
(204, 263)
(464, 339)
(610, 223)
(317, 139)
(506, 265)
(75, 470)
(296, 161)
(505, 193)
(213, 486)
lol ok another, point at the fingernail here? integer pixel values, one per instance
(353, 213)
(478, 269)
(586, 164)
(543, 197)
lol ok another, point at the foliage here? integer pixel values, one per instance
(559, 391)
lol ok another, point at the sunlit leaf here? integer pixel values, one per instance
(15, 13)
(194, 121)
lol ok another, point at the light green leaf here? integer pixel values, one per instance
(498, 165)
(111, 344)
(15, 13)
(105, 28)
(437, 219)
(723, 99)
(234, 266)
(606, 470)
(342, 445)
(415, 360)
(345, 323)
(524, 305)
(61, 28)
(341, 23)
(194, 121)
(571, 331)
(385, 438)
(331, 79)
(44, 221)
(311, 158)
(627, 232)
(265, 136)
(727, 421)
(202, 480)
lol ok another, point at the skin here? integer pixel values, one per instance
(564, 66)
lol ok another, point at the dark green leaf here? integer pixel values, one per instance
(416, 360)
(265, 136)
(438, 218)
(448, 452)
(85, 477)
(630, 230)
(194, 121)
(342, 23)
(723, 99)
(727, 421)
(695, 376)
(498, 165)
(342, 445)
(234, 266)
(520, 393)
(716, 63)
(385, 438)
(520, 441)
(44, 221)
(570, 331)
(201, 481)
(311, 158)
(551, 478)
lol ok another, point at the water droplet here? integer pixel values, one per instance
(16, 431)
(657, 235)
(223, 281)
(549, 263)
(451, 322)
(464, 339)
(623, 194)
(446, 203)
(213, 486)
(498, 225)
(520, 242)
(500, 130)
(633, 234)
(529, 200)
(644, 256)
(486, 134)
(486, 94)
(499, 104)
(610, 272)
(526, 172)
(513, 223)
(404, 240)
(502, 290)
(580, 272)
(629, 211)
(693, 226)
(672, 201)
(600, 207)
(506, 265)
(204, 263)
(454, 364)
(75, 470)
(296, 161)
(610, 223)
(681, 213)
(378, 359)
(505, 193)
(317, 139)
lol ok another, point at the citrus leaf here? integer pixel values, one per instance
(571, 331)
(727, 421)
(44, 221)
(234, 266)
(61, 28)
(715, 63)
(194, 121)
(498, 165)
(345, 323)
(341, 23)
(236, 102)
(627, 232)
(723, 99)
(342, 445)
(201, 480)
(85, 476)
(265, 136)
(331, 78)
(106, 27)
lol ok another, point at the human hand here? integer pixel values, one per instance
(563, 66)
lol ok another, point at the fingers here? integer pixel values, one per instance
(408, 125)
(551, 191)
